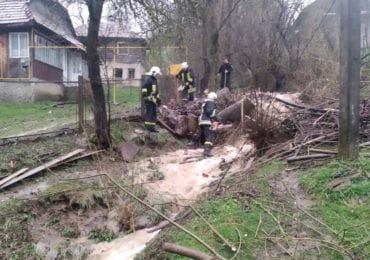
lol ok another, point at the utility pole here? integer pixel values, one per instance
(350, 47)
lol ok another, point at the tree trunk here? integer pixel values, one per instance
(233, 112)
(206, 65)
(100, 114)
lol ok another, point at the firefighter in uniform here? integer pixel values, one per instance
(208, 120)
(186, 75)
(151, 98)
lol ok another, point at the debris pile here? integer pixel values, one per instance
(25, 172)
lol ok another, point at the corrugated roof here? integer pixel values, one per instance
(14, 11)
(20, 11)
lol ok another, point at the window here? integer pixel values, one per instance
(122, 49)
(131, 73)
(45, 54)
(118, 73)
(76, 66)
(18, 45)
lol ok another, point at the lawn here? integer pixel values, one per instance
(29, 118)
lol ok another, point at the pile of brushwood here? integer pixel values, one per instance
(280, 125)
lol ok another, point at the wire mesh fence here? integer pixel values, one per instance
(56, 106)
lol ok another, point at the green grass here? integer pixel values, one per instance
(14, 235)
(25, 118)
(228, 217)
(70, 231)
(126, 95)
(346, 211)
(28, 118)
(28, 251)
(101, 235)
(15, 157)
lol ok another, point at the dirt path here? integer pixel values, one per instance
(187, 175)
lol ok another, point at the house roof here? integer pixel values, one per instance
(109, 30)
(22, 11)
(12, 11)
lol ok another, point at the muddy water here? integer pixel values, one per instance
(187, 175)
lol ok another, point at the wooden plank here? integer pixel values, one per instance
(84, 155)
(42, 167)
(12, 176)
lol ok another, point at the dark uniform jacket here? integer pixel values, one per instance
(186, 75)
(225, 67)
(208, 113)
(150, 89)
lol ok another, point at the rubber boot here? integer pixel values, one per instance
(191, 97)
(207, 151)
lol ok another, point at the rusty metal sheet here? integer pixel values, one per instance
(128, 150)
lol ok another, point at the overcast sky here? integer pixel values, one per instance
(80, 13)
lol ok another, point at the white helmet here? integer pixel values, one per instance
(155, 71)
(184, 65)
(212, 96)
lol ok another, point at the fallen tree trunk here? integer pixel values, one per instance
(306, 108)
(185, 251)
(233, 113)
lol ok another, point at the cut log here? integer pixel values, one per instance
(186, 251)
(42, 167)
(232, 113)
(181, 127)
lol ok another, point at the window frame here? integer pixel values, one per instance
(19, 56)
(123, 48)
(128, 73)
(115, 70)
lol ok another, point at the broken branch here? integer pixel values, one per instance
(186, 251)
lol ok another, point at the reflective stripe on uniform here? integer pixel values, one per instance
(149, 123)
(205, 122)
(209, 143)
(188, 76)
(144, 90)
(154, 88)
(213, 113)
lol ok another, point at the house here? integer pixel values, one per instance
(38, 43)
(320, 22)
(122, 53)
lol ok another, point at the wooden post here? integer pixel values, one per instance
(350, 46)
(141, 99)
(81, 101)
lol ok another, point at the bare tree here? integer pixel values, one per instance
(95, 8)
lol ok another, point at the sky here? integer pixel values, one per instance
(79, 14)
